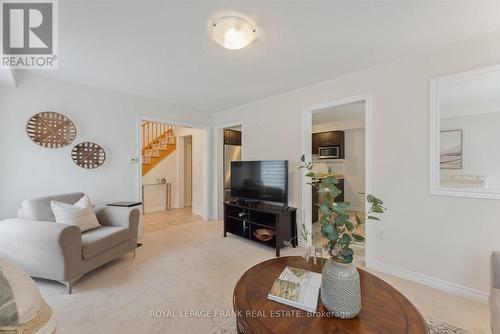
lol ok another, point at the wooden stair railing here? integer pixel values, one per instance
(158, 142)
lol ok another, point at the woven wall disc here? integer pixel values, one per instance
(88, 155)
(50, 129)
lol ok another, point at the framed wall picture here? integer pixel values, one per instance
(451, 152)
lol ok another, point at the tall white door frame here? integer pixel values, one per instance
(306, 149)
(206, 155)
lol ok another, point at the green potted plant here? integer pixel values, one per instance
(340, 289)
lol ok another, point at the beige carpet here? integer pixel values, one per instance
(183, 267)
(192, 267)
(160, 220)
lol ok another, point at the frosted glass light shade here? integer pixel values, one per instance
(233, 32)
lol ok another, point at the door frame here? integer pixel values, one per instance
(218, 165)
(206, 155)
(306, 149)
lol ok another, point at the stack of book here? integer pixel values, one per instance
(298, 288)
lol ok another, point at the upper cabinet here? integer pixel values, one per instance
(329, 138)
(232, 137)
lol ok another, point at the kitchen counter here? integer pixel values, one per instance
(338, 176)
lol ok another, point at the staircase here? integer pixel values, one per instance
(158, 142)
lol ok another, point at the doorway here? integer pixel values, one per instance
(172, 172)
(337, 140)
(228, 147)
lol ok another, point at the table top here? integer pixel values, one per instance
(125, 204)
(384, 310)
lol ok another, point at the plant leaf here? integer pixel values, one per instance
(359, 221)
(341, 219)
(347, 259)
(348, 252)
(339, 210)
(346, 239)
(329, 231)
(357, 237)
(373, 218)
(349, 226)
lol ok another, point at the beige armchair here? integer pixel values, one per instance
(61, 252)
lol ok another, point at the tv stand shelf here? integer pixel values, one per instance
(243, 219)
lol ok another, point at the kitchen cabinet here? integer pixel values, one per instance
(329, 138)
(232, 137)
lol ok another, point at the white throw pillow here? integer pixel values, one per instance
(79, 214)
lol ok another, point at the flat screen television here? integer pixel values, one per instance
(260, 180)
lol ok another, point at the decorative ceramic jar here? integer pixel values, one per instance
(340, 289)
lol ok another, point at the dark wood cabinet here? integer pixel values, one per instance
(329, 138)
(232, 137)
(315, 143)
(244, 219)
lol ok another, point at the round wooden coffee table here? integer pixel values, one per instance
(384, 310)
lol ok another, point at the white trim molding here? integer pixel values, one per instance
(305, 215)
(432, 282)
(436, 87)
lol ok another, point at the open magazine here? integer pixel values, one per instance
(298, 288)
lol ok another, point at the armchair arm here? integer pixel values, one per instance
(495, 270)
(120, 217)
(44, 249)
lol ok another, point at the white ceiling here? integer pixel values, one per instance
(346, 112)
(162, 49)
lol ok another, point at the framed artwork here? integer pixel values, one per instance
(451, 153)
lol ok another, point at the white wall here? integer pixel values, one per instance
(354, 167)
(339, 125)
(424, 234)
(188, 171)
(198, 144)
(198, 139)
(107, 118)
(481, 135)
(155, 195)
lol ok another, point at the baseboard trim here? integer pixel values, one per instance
(432, 282)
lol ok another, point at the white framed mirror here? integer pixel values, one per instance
(465, 134)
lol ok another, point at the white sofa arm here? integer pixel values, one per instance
(120, 217)
(44, 249)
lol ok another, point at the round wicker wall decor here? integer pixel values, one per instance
(51, 130)
(88, 155)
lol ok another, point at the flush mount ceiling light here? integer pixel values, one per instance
(233, 32)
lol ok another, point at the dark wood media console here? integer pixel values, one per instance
(243, 219)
